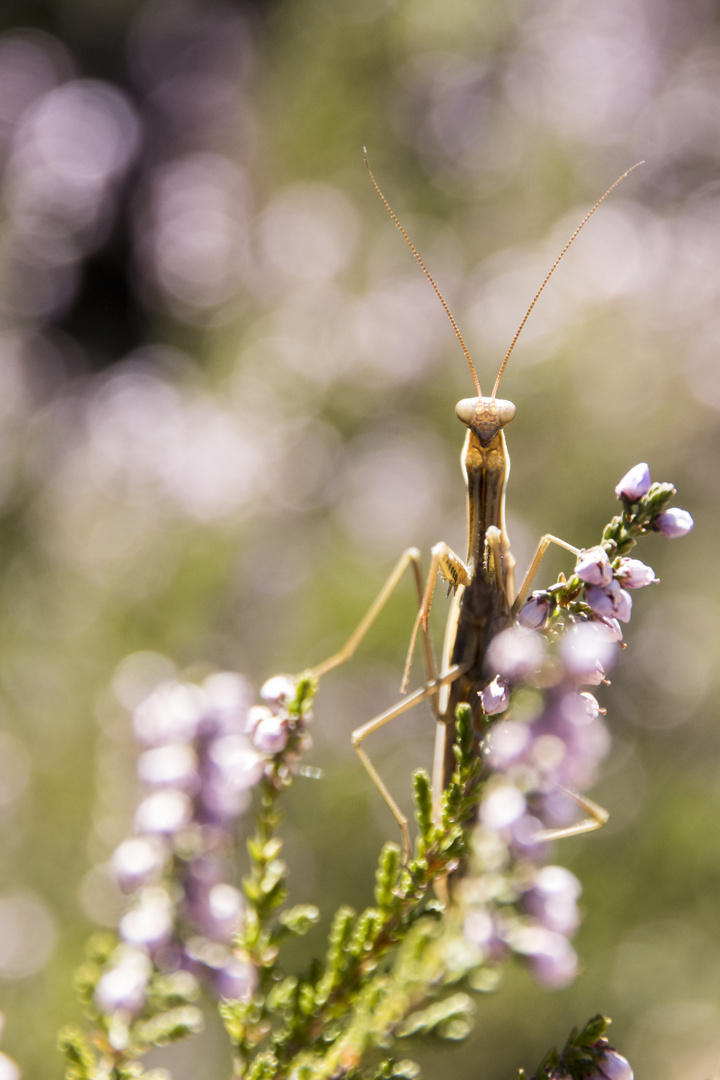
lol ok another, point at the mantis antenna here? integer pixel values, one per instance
(554, 267)
(535, 299)
(427, 273)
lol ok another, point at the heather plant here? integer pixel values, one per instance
(479, 891)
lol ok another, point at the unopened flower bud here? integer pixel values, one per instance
(673, 523)
(634, 483)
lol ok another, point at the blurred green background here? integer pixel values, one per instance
(227, 403)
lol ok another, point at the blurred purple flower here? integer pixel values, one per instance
(208, 747)
(123, 987)
(516, 653)
(550, 955)
(139, 860)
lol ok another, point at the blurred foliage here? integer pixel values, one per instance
(226, 404)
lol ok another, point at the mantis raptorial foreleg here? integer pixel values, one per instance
(446, 562)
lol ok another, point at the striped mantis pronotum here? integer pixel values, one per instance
(485, 599)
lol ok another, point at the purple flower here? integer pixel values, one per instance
(594, 567)
(611, 627)
(271, 734)
(480, 929)
(123, 987)
(635, 574)
(140, 860)
(236, 979)
(278, 690)
(634, 483)
(673, 523)
(613, 1066)
(534, 612)
(553, 899)
(229, 697)
(167, 811)
(586, 649)
(239, 763)
(502, 806)
(174, 765)
(506, 743)
(610, 600)
(495, 697)
(550, 955)
(172, 713)
(516, 653)
(149, 922)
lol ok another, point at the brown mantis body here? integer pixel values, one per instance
(485, 600)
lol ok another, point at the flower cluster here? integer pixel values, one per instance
(205, 748)
(565, 639)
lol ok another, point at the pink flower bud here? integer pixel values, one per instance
(634, 483)
(495, 697)
(673, 523)
(593, 566)
(635, 574)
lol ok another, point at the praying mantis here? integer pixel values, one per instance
(485, 599)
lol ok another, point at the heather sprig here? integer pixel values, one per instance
(478, 889)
